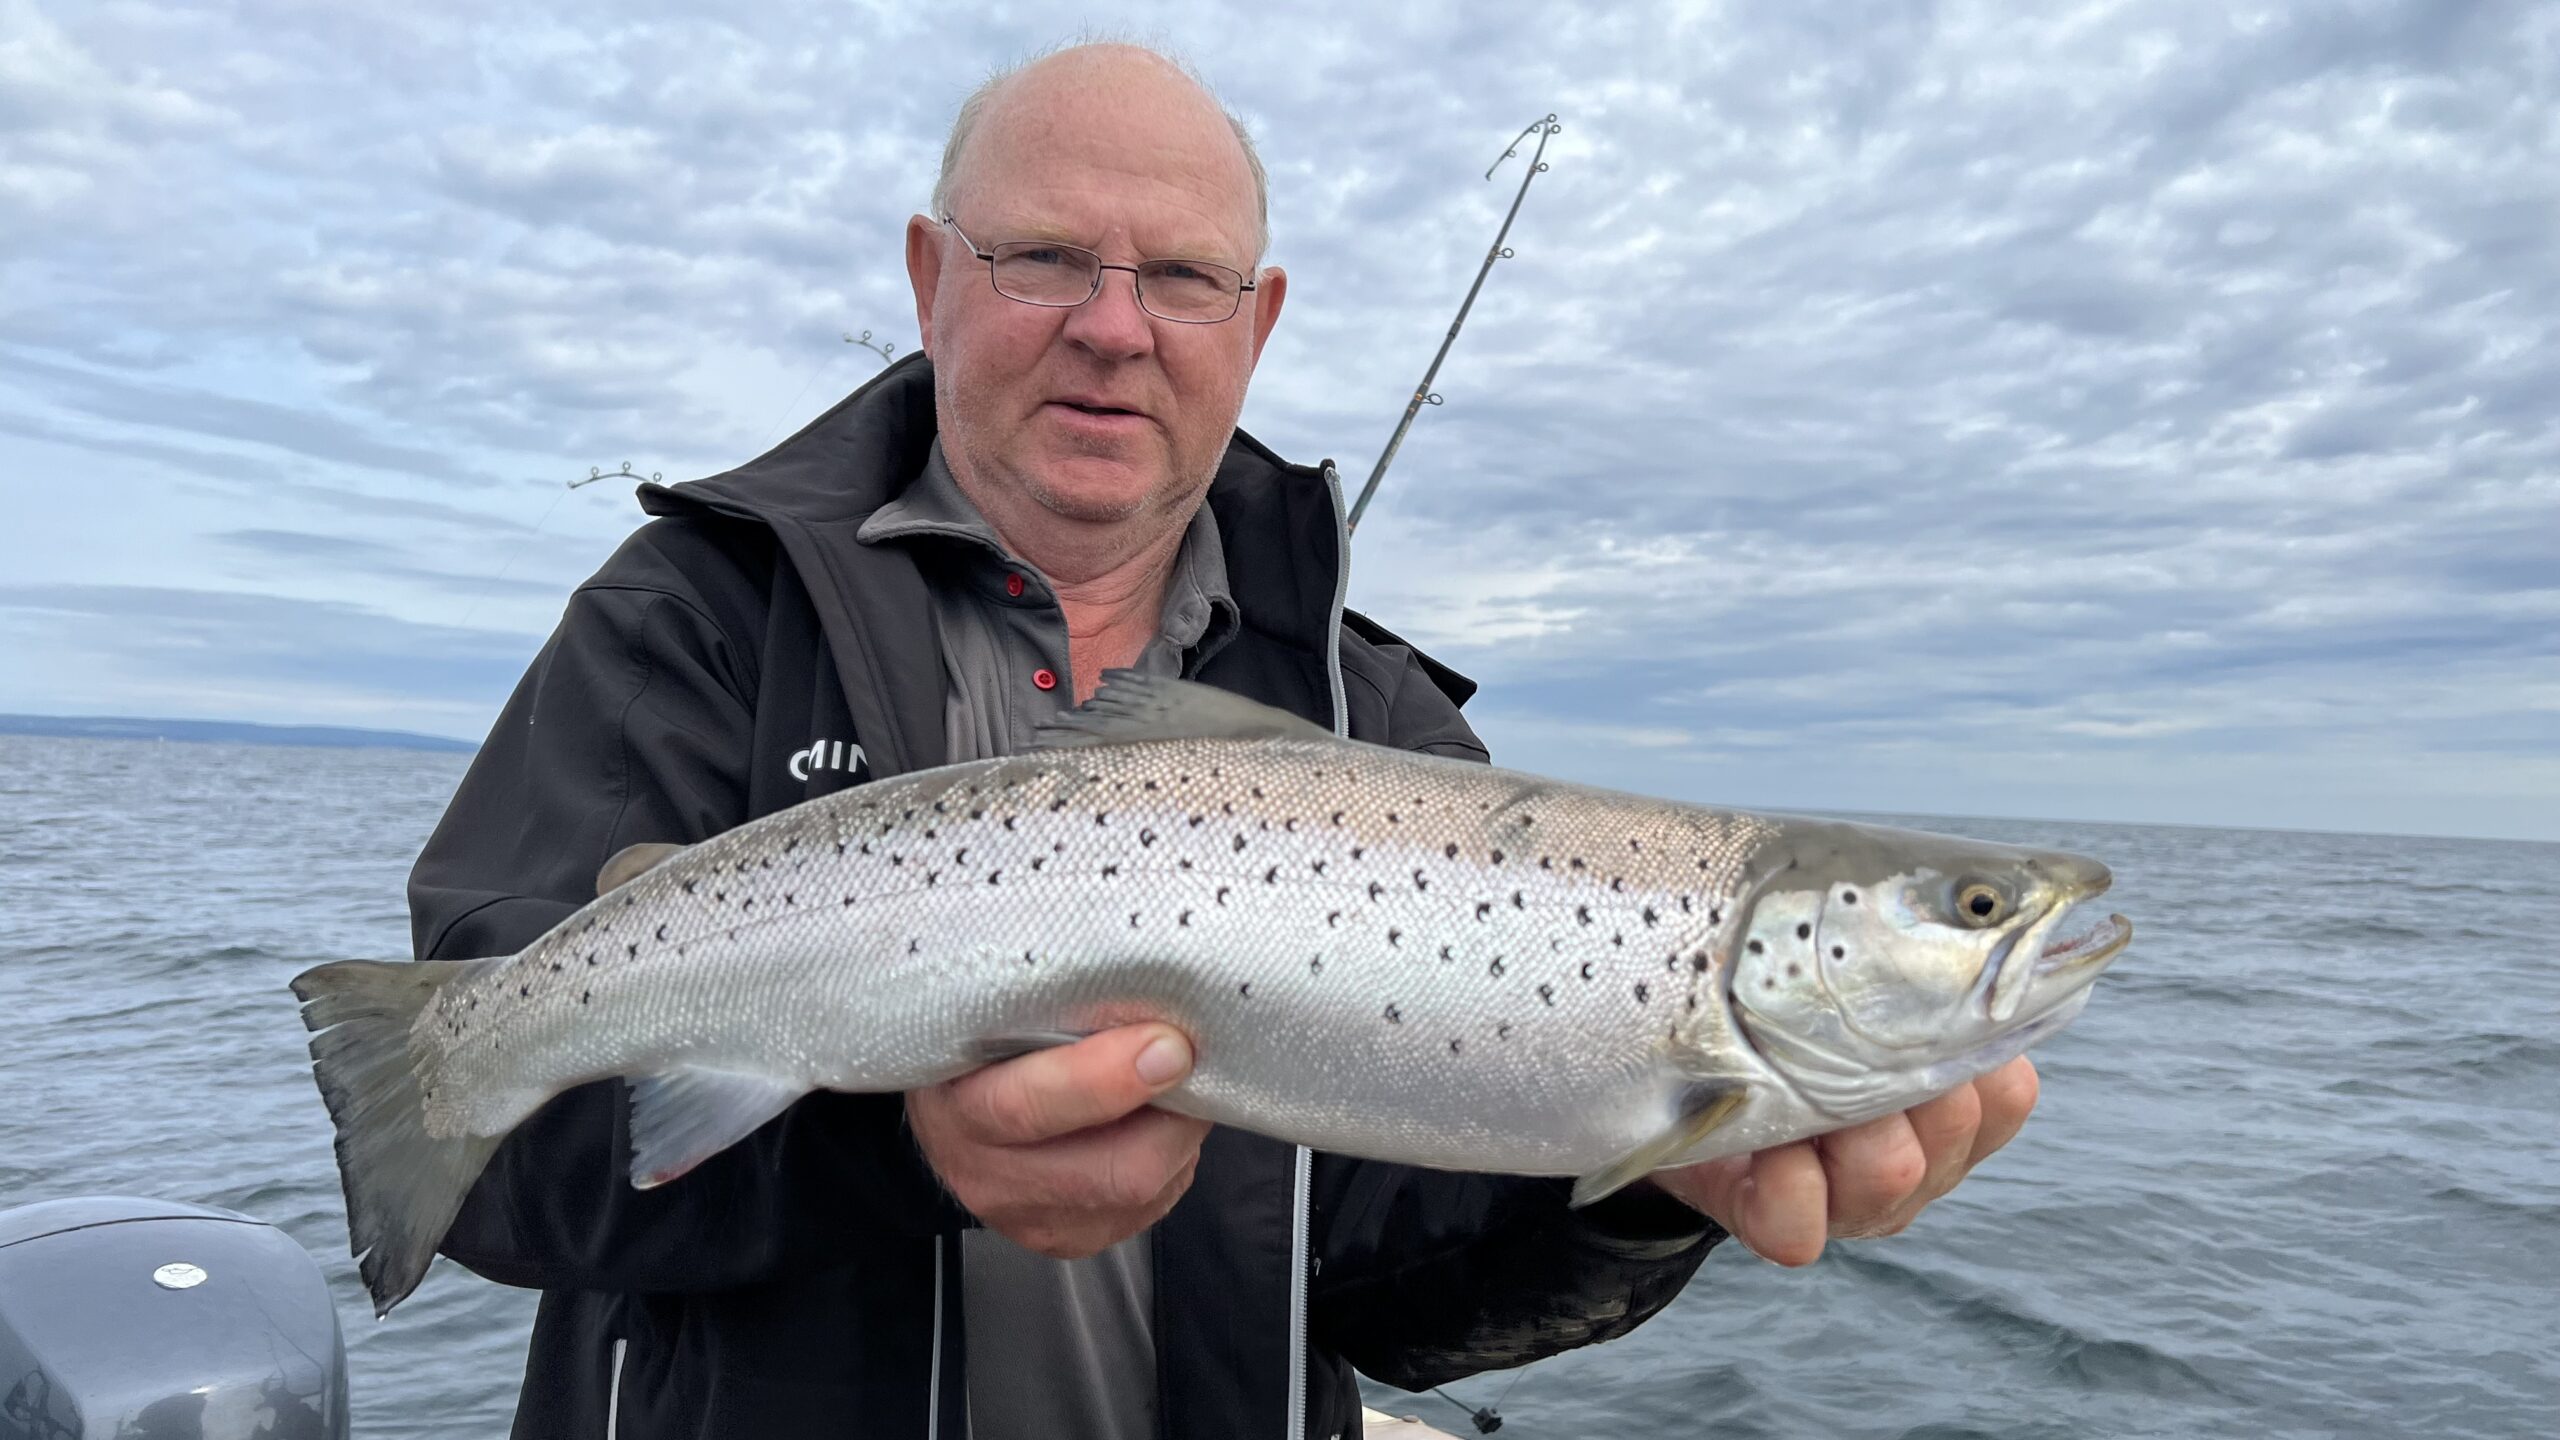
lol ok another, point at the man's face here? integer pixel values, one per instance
(1103, 412)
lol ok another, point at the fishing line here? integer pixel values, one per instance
(493, 581)
(1486, 1420)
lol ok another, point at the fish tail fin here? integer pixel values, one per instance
(403, 1185)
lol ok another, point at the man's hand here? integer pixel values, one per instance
(1870, 1179)
(1057, 1150)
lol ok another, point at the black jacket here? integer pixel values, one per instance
(805, 1282)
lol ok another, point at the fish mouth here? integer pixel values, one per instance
(2062, 965)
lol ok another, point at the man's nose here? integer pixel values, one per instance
(1112, 324)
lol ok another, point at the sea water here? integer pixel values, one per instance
(2296, 1171)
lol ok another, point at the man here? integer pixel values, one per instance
(953, 552)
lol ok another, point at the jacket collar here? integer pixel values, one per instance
(1284, 547)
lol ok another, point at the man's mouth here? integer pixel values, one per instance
(1090, 406)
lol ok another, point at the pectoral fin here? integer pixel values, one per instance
(631, 861)
(684, 1117)
(989, 1049)
(1703, 1108)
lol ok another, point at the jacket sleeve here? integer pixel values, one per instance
(631, 727)
(1426, 1276)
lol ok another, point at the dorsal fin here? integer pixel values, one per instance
(631, 861)
(1131, 707)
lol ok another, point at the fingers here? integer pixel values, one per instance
(1050, 1093)
(1071, 1198)
(1873, 1168)
(2008, 1094)
(1059, 1150)
(1785, 1210)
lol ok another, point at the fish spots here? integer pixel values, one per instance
(524, 992)
(1395, 1014)
(1359, 850)
(1587, 971)
(1494, 967)
(1222, 894)
(1394, 937)
(1337, 817)
(1146, 839)
(1794, 970)
(1699, 962)
(1244, 989)
(1715, 916)
(631, 951)
(1376, 889)
(1110, 871)
(1183, 921)
(1315, 965)
(914, 946)
(1420, 882)
(1839, 952)
(1644, 993)
(1240, 843)
(1333, 918)
(1447, 852)
(1483, 908)
(994, 876)
(1316, 865)
(1804, 930)
(1502, 1030)
(1547, 993)
(1756, 948)
(1133, 919)
(1271, 876)
(1582, 913)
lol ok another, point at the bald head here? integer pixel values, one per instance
(1113, 84)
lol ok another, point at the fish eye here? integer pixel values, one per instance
(1978, 904)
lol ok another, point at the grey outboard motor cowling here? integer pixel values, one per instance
(124, 1319)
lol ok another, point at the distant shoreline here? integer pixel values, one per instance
(232, 732)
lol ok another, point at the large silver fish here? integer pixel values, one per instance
(1376, 953)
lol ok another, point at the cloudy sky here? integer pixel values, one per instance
(2137, 411)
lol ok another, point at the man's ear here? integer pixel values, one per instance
(1269, 291)
(924, 272)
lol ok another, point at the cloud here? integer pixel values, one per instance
(2138, 388)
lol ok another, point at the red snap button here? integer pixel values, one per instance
(1013, 586)
(1045, 678)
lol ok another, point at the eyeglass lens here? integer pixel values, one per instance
(1191, 291)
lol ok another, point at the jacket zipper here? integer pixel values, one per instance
(933, 1372)
(613, 1395)
(1302, 1178)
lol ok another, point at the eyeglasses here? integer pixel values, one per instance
(1037, 272)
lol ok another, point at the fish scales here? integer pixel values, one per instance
(1375, 952)
(1352, 940)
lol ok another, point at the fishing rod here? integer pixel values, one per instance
(1423, 394)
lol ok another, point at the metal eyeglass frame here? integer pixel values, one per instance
(1244, 285)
